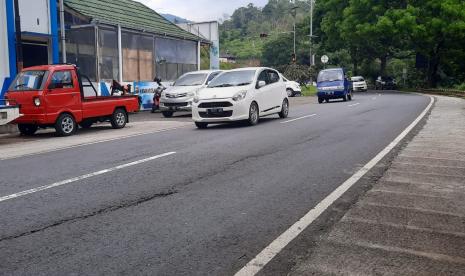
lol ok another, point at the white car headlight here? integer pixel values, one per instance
(239, 96)
(196, 99)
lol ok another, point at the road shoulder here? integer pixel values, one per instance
(411, 219)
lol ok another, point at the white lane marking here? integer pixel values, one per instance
(78, 178)
(273, 249)
(374, 98)
(355, 104)
(91, 143)
(300, 118)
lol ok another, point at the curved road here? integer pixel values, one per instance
(207, 207)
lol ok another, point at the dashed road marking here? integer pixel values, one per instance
(275, 247)
(300, 118)
(82, 177)
(355, 104)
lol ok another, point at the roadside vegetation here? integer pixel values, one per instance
(420, 43)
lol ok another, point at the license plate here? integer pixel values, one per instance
(215, 110)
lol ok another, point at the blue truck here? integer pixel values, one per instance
(334, 84)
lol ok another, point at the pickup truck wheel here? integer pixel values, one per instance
(119, 118)
(27, 130)
(167, 114)
(65, 125)
(320, 100)
(86, 124)
(344, 98)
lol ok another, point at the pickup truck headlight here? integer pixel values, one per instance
(37, 101)
(239, 96)
(196, 99)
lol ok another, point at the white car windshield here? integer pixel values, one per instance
(191, 80)
(330, 75)
(233, 78)
(357, 79)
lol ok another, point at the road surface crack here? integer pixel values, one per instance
(122, 205)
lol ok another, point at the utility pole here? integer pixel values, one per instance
(62, 33)
(19, 45)
(294, 14)
(311, 31)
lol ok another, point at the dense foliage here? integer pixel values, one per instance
(423, 38)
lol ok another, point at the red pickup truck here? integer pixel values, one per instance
(59, 96)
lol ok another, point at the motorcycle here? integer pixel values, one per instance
(157, 95)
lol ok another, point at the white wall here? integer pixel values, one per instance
(35, 16)
(4, 64)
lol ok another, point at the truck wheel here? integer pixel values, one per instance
(344, 98)
(86, 124)
(119, 118)
(320, 100)
(65, 125)
(27, 130)
(167, 114)
(201, 125)
(349, 96)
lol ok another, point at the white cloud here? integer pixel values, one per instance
(199, 10)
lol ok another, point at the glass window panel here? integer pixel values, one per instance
(108, 42)
(80, 50)
(166, 50)
(172, 71)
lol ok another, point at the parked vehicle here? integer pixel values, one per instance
(58, 96)
(385, 83)
(241, 95)
(292, 87)
(334, 84)
(179, 96)
(359, 84)
(9, 111)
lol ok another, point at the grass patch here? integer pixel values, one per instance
(309, 91)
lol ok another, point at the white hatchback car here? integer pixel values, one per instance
(359, 84)
(292, 87)
(241, 95)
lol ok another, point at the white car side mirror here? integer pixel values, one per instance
(261, 84)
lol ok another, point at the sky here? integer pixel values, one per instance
(199, 10)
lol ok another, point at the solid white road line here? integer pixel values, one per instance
(300, 118)
(92, 143)
(355, 104)
(78, 178)
(267, 254)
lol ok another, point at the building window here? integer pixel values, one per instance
(175, 57)
(108, 59)
(80, 50)
(137, 57)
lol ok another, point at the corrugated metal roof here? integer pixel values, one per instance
(128, 14)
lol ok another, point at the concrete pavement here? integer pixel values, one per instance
(412, 222)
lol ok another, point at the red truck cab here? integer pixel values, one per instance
(59, 96)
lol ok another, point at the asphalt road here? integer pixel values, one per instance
(207, 208)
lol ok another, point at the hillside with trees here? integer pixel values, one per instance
(387, 37)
